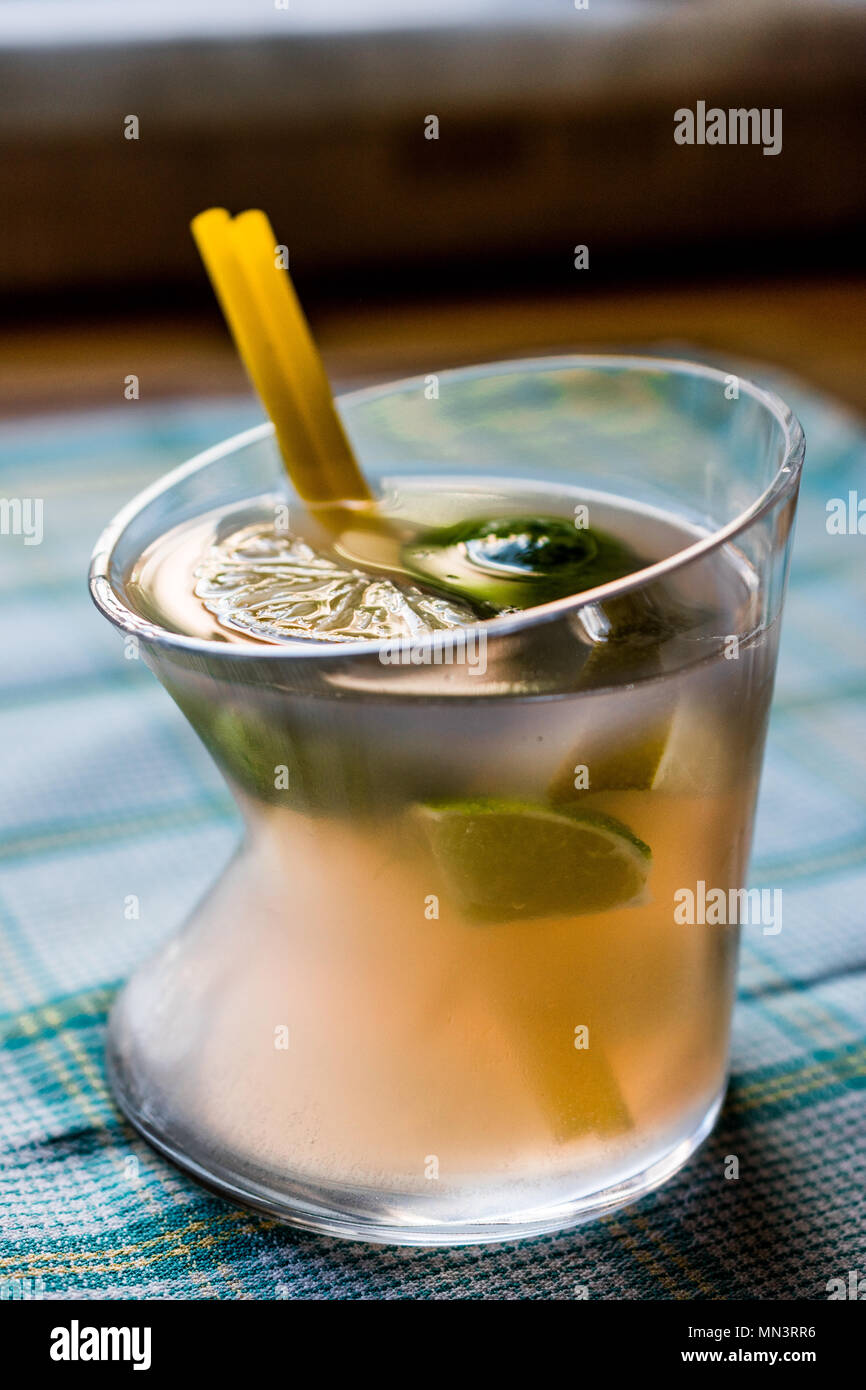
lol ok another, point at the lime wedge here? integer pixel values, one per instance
(504, 860)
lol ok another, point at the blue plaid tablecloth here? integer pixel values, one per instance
(105, 791)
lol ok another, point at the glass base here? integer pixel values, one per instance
(375, 1216)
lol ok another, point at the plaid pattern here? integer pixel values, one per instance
(105, 791)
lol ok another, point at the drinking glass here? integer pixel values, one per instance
(447, 991)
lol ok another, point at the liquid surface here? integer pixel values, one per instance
(249, 574)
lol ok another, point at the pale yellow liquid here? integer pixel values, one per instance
(430, 1056)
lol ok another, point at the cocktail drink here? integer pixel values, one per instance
(444, 992)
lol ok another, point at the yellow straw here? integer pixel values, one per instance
(299, 358)
(278, 351)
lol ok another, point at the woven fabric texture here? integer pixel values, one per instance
(104, 790)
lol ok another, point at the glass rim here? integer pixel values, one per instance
(784, 481)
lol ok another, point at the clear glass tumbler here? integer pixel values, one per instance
(447, 991)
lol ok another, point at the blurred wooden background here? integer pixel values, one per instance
(410, 254)
(814, 327)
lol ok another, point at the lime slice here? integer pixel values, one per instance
(504, 860)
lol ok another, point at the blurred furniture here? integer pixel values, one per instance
(555, 128)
